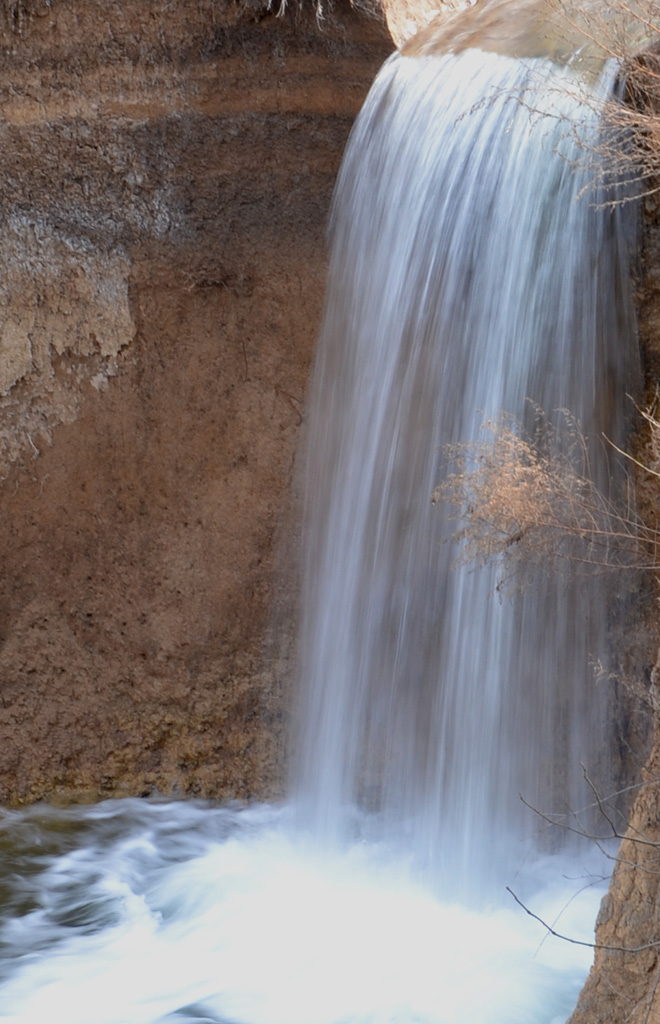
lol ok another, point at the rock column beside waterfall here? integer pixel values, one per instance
(624, 983)
(165, 177)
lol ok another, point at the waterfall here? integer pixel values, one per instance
(470, 272)
(473, 269)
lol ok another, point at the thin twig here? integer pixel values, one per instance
(639, 840)
(580, 942)
(627, 455)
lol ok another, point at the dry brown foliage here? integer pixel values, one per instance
(628, 148)
(526, 503)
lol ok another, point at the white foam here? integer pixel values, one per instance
(262, 928)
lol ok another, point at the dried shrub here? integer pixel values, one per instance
(530, 502)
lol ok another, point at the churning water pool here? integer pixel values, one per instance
(140, 912)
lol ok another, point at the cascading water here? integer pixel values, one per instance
(467, 275)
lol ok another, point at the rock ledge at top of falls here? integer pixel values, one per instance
(583, 33)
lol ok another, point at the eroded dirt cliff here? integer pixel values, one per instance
(166, 170)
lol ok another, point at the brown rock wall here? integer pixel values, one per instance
(623, 986)
(166, 171)
(624, 983)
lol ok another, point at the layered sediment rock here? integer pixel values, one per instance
(166, 171)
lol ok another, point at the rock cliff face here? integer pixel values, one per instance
(166, 171)
(624, 983)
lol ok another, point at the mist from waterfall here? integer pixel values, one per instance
(473, 271)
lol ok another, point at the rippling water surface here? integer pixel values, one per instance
(133, 912)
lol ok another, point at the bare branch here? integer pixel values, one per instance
(579, 942)
(580, 830)
(598, 800)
